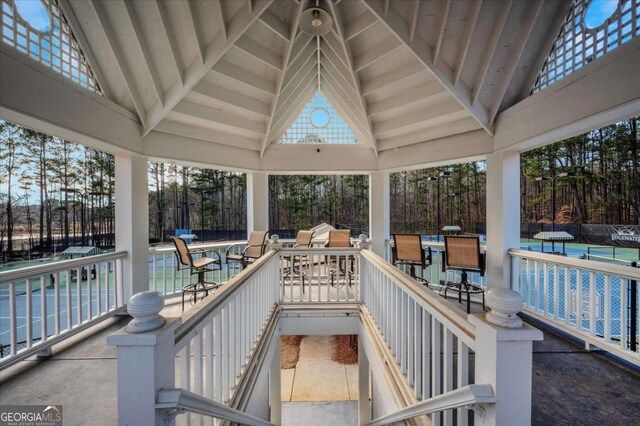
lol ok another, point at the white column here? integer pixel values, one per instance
(257, 202)
(364, 404)
(379, 216)
(132, 221)
(275, 384)
(503, 215)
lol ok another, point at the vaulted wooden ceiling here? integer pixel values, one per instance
(239, 72)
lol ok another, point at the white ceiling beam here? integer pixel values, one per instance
(88, 53)
(424, 94)
(390, 78)
(298, 75)
(469, 29)
(300, 46)
(221, 18)
(334, 43)
(208, 134)
(339, 78)
(435, 132)
(418, 116)
(346, 111)
(331, 56)
(359, 25)
(421, 51)
(232, 98)
(143, 47)
(107, 31)
(379, 51)
(414, 19)
(301, 62)
(170, 39)
(359, 130)
(515, 54)
(260, 52)
(349, 101)
(354, 78)
(195, 30)
(442, 25)
(301, 83)
(271, 21)
(281, 76)
(245, 77)
(240, 22)
(492, 46)
(235, 123)
(292, 110)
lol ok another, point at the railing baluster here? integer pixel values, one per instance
(436, 365)
(13, 320)
(56, 301)
(463, 379)
(592, 303)
(68, 297)
(43, 309)
(623, 315)
(447, 375)
(556, 292)
(545, 297)
(607, 308)
(28, 313)
(79, 295)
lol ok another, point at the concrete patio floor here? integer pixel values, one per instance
(316, 377)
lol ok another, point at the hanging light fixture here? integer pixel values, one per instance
(316, 21)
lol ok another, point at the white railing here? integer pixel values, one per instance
(319, 275)
(209, 348)
(587, 299)
(42, 304)
(166, 278)
(434, 273)
(417, 327)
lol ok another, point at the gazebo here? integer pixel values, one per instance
(329, 86)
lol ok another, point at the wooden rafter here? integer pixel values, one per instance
(213, 52)
(285, 61)
(421, 51)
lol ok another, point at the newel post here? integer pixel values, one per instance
(504, 359)
(146, 364)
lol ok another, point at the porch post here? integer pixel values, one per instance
(503, 215)
(364, 404)
(132, 221)
(257, 201)
(379, 215)
(275, 384)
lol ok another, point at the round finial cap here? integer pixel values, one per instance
(145, 309)
(505, 305)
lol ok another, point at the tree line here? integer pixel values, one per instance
(55, 193)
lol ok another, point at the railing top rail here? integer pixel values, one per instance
(51, 267)
(194, 403)
(321, 250)
(607, 268)
(219, 244)
(436, 305)
(194, 316)
(467, 395)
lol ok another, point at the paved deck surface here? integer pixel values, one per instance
(316, 377)
(334, 413)
(570, 386)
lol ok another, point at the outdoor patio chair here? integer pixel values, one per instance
(255, 249)
(338, 265)
(462, 253)
(303, 240)
(199, 266)
(407, 251)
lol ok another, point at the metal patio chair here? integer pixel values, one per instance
(255, 249)
(462, 253)
(293, 270)
(342, 265)
(407, 250)
(199, 266)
